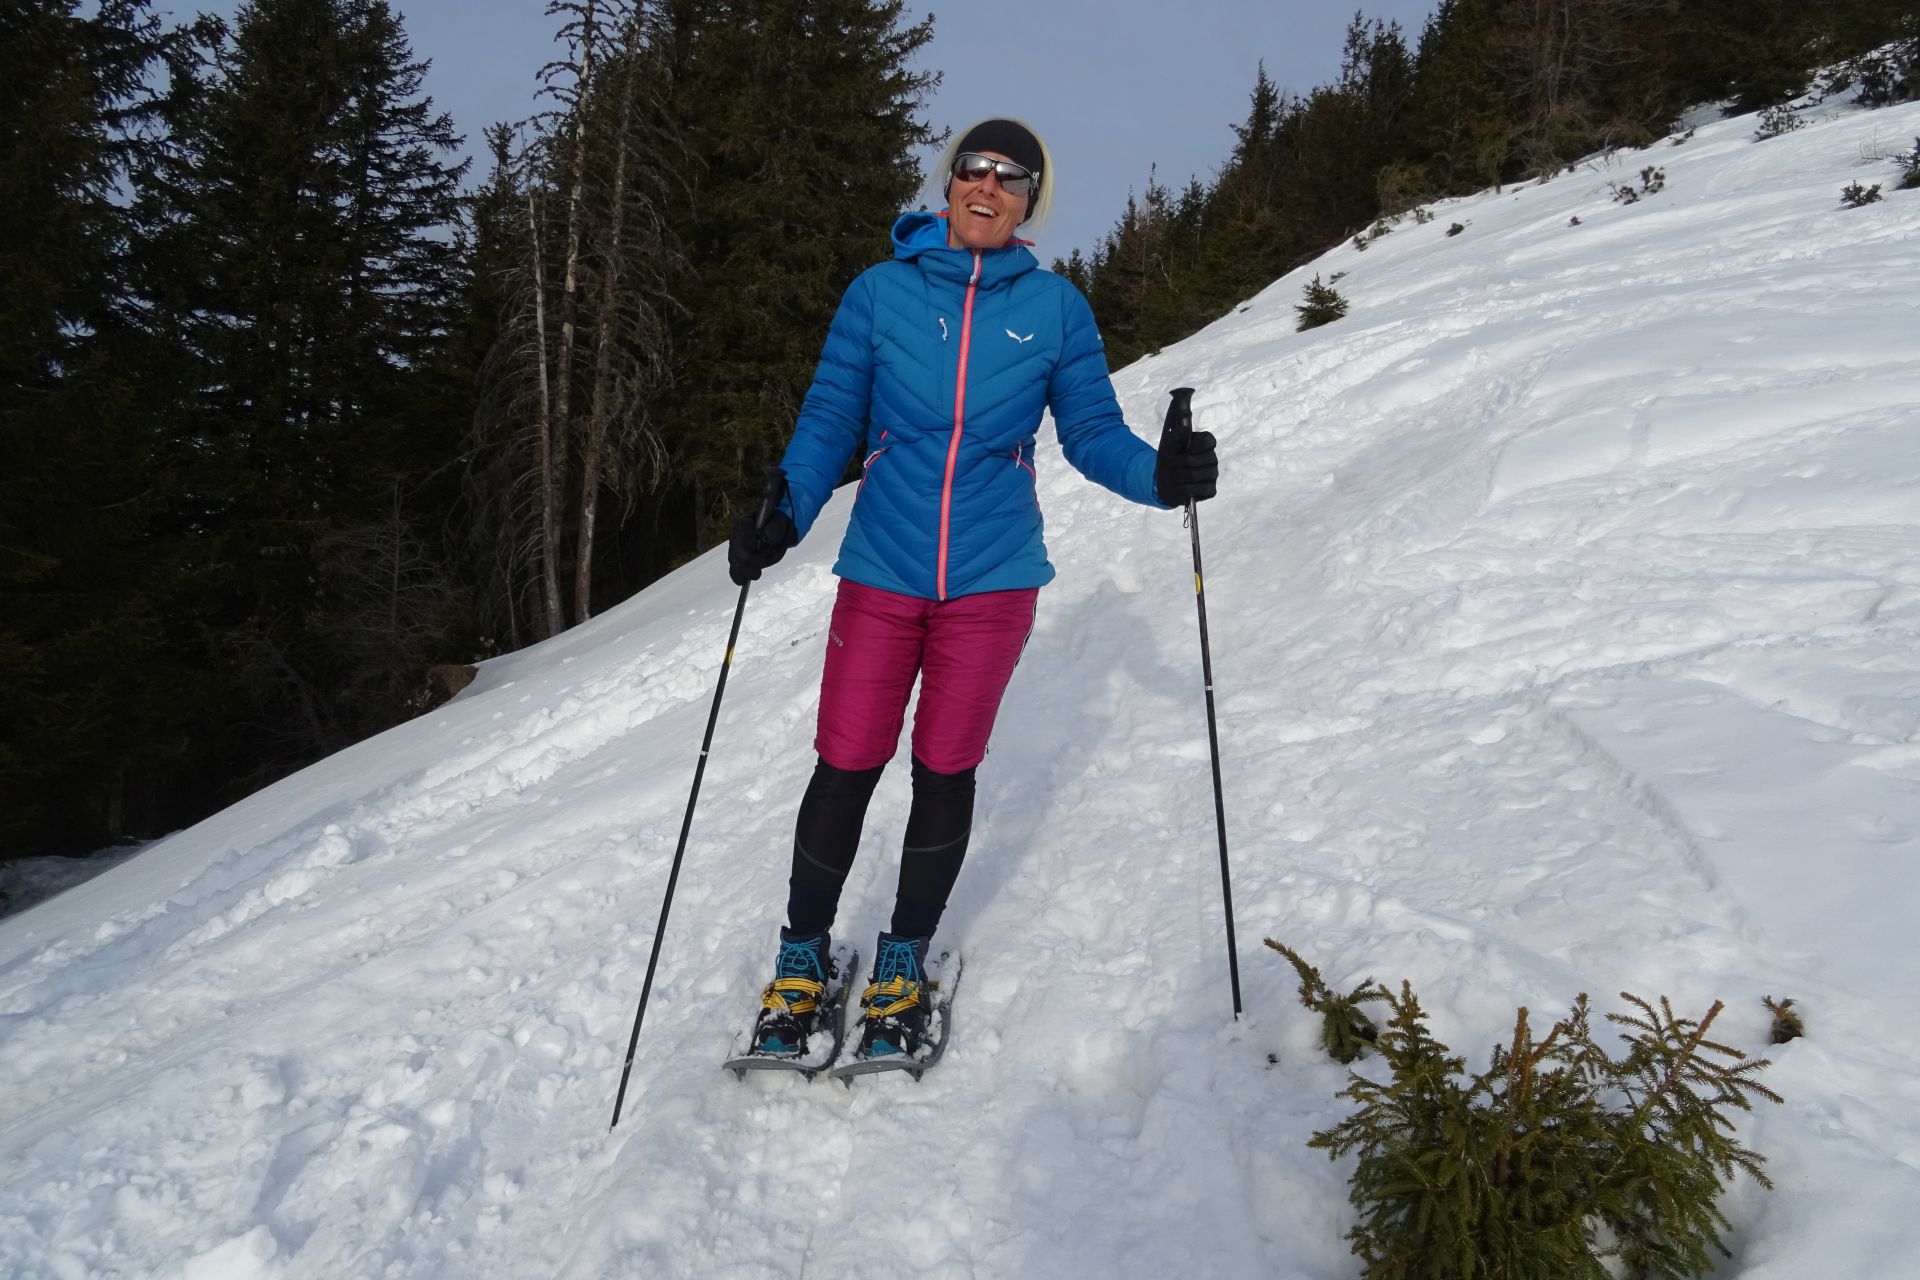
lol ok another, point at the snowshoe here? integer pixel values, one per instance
(800, 1026)
(906, 1010)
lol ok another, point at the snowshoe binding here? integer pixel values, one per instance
(905, 1010)
(800, 1026)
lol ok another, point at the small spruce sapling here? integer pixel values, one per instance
(1345, 1032)
(1322, 306)
(1456, 228)
(1652, 181)
(1557, 1162)
(1380, 228)
(1888, 75)
(1786, 1021)
(1909, 162)
(1777, 120)
(1855, 196)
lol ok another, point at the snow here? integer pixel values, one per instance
(1564, 601)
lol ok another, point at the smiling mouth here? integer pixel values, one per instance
(982, 210)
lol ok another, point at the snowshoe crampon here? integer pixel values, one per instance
(880, 1046)
(819, 1014)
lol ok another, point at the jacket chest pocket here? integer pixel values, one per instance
(914, 379)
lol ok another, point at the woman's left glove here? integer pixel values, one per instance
(1190, 473)
(753, 548)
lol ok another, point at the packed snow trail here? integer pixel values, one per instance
(1564, 601)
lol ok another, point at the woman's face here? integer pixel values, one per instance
(980, 215)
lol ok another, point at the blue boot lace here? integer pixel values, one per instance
(801, 960)
(899, 958)
(896, 989)
(799, 983)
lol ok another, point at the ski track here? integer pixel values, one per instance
(1564, 608)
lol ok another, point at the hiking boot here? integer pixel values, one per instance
(896, 1003)
(793, 1005)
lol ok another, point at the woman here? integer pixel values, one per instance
(937, 368)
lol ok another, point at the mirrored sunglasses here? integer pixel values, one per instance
(1015, 180)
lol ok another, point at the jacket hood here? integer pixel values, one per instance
(915, 233)
(922, 237)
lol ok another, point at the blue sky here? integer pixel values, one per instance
(1115, 88)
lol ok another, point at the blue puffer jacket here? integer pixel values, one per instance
(939, 365)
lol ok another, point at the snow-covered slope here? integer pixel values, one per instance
(1564, 601)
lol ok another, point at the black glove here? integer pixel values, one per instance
(754, 548)
(1190, 473)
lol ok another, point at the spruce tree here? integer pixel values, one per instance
(1248, 236)
(1341, 136)
(298, 231)
(1321, 304)
(1557, 1160)
(1460, 131)
(1245, 238)
(1145, 283)
(1076, 268)
(798, 120)
(1122, 266)
(89, 691)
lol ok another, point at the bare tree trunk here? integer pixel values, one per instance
(590, 455)
(603, 376)
(395, 564)
(544, 431)
(570, 286)
(1558, 53)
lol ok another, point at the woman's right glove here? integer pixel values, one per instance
(754, 548)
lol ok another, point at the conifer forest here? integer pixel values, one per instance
(297, 408)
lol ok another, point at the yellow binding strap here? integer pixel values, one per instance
(806, 989)
(905, 996)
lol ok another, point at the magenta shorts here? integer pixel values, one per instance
(963, 650)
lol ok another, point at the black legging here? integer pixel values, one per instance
(828, 835)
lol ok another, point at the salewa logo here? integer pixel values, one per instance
(1017, 338)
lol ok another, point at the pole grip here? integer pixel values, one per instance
(1179, 424)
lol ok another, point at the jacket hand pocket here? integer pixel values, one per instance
(866, 469)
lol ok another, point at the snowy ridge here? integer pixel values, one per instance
(1566, 621)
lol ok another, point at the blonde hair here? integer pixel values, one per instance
(1041, 202)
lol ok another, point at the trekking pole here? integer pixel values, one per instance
(1180, 424)
(776, 484)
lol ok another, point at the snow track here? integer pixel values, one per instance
(1565, 608)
